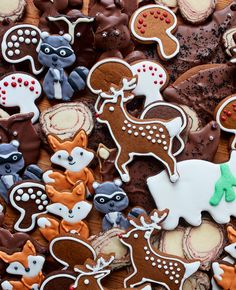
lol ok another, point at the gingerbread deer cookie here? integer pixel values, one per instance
(147, 137)
(149, 264)
(155, 23)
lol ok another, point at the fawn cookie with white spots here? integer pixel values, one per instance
(133, 136)
(149, 264)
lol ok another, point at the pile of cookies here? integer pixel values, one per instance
(117, 144)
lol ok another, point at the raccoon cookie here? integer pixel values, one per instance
(107, 242)
(19, 127)
(30, 200)
(209, 251)
(150, 264)
(13, 10)
(58, 280)
(203, 95)
(24, 85)
(225, 115)
(64, 120)
(195, 11)
(156, 24)
(71, 250)
(21, 43)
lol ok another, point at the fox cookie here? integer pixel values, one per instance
(71, 207)
(26, 264)
(74, 156)
(155, 23)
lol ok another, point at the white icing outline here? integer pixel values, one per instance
(155, 39)
(71, 25)
(182, 112)
(79, 241)
(188, 272)
(26, 57)
(21, 210)
(61, 275)
(219, 111)
(191, 195)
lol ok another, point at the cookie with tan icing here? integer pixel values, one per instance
(12, 10)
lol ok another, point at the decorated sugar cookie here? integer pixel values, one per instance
(149, 264)
(26, 264)
(225, 114)
(24, 85)
(224, 270)
(21, 43)
(71, 207)
(155, 23)
(203, 186)
(134, 136)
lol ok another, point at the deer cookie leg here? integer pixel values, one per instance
(170, 163)
(122, 160)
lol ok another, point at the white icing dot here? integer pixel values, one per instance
(165, 267)
(39, 193)
(111, 109)
(165, 148)
(177, 275)
(134, 127)
(153, 141)
(10, 44)
(178, 269)
(135, 236)
(130, 132)
(145, 248)
(129, 125)
(16, 44)
(161, 130)
(173, 272)
(140, 128)
(21, 39)
(18, 198)
(44, 196)
(45, 202)
(157, 135)
(148, 252)
(20, 191)
(163, 136)
(148, 127)
(143, 134)
(33, 33)
(159, 266)
(164, 142)
(152, 258)
(150, 132)
(34, 40)
(17, 51)
(30, 190)
(27, 32)
(38, 201)
(86, 281)
(175, 264)
(40, 207)
(20, 32)
(211, 138)
(171, 268)
(154, 127)
(25, 197)
(167, 272)
(123, 128)
(176, 281)
(135, 134)
(164, 262)
(171, 278)
(170, 263)
(159, 141)
(153, 264)
(149, 137)
(33, 196)
(125, 121)
(27, 41)
(14, 38)
(158, 260)
(146, 258)
(10, 53)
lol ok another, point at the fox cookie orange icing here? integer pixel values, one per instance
(149, 264)
(74, 156)
(155, 23)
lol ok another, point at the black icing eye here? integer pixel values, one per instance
(78, 207)
(15, 268)
(34, 262)
(62, 52)
(60, 208)
(81, 153)
(118, 197)
(59, 156)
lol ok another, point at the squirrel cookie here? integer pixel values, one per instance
(155, 23)
(149, 264)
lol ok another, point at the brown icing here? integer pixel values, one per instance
(19, 127)
(203, 89)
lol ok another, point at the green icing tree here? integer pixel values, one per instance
(224, 185)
